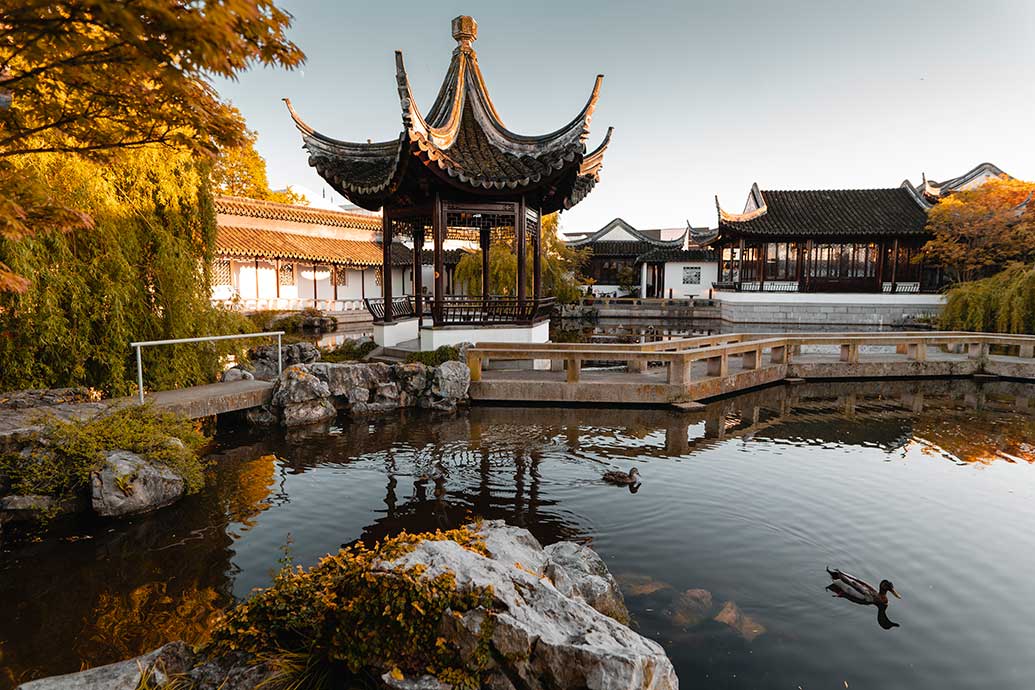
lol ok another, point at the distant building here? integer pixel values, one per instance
(281, 256)
(658, 261)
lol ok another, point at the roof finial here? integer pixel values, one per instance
(465, 31)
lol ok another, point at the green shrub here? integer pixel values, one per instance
(140, 273)
(348, 351)
(446, 353)
(1003, 303)
(347, 611)
(65, 454)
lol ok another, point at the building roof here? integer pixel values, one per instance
(271, 244)
(831, 213)
(271, 210)
(937, 190)
(619, 227)
(460, 143)
(660, 256)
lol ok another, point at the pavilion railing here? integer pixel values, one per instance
(490, 310)
(462, 310)
(402, 308)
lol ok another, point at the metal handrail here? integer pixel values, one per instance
(138, 346)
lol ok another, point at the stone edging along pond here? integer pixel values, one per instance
(126, 483)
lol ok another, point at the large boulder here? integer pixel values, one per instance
(236, 374)
(296, 385)
(307, 413)
(540, 637)
(129, 484)
(452, 380)
(343, 378)
(264, 358)
(152, 670)
(412, 378)
(579, 572)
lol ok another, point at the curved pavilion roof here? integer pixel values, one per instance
(460, 147)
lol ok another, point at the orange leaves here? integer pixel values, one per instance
(981, 228)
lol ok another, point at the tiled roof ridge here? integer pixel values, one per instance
(262, 208)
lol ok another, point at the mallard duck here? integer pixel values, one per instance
(860, 591)
(622, 478)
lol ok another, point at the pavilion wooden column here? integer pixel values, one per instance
(894, 266)
(386, 264)
(418, 272)
(438, 232)
(485, 238)
(519, 229)
(314, 285)
(740, 261)
(537, 259)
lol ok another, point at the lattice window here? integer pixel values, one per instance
(287, 274)
(407, 227)
(531, 226)
(340, 275)
(467, 226)
(221, 272)
(378, 276)
(691, 275)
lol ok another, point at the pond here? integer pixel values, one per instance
(929, 484)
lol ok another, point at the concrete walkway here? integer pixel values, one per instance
(196, 402)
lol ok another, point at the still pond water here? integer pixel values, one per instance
(928, 484)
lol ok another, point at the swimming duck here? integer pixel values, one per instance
(622, 478)
(860, 591)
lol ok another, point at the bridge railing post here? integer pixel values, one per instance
(574, 369)
(1026, 351)
(917, 351)
(474, 363)
(679, 368)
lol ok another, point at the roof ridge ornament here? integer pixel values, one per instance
(465, 32)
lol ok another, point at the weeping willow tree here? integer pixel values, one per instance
(560, 266)
(1003, 303)
(139, 273)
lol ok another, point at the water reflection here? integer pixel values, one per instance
(741, 504)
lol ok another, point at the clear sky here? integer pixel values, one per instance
(705, 97)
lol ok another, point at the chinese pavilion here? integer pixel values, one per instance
(457, 173)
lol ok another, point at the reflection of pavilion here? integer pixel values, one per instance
(457, 173)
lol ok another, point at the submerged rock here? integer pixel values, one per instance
(746, 626)
(692, 607)
(29, 508)
(641, 585)
(155, 667)
(129, 484)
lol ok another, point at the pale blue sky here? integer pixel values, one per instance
(705, 98)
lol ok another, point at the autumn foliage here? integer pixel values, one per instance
(92, 77)
(982, 230)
